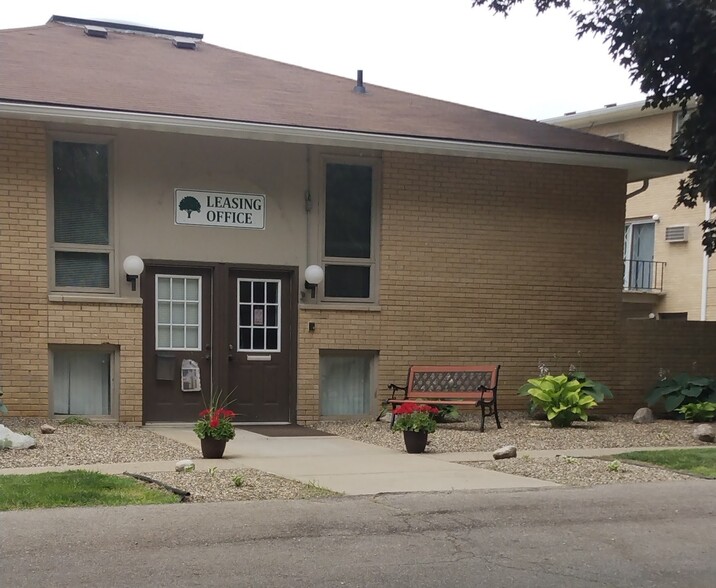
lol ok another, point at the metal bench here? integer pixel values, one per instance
(440, 385)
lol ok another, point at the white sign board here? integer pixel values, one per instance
(219, 209)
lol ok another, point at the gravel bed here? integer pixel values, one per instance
(573, 471)
(88, 444)
(219, 486)
(524, 433)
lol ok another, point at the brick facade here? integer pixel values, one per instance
(480, 261)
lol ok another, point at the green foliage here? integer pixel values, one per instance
(76, 488)
(447, 413)
(561, 398)
(596, 390)
(3, 408)
(76, 420)
(215, 420)
(614, 466)
(680, 389)
(212, 471)
(668, 48)
(698, 411)
(419, 418)
(701, 462)
(238, 481)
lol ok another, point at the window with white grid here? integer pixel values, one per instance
(259, 324)
(178, 313)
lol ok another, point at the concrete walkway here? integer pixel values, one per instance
(343, 465)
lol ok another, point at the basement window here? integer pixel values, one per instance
(82, 381)
(346, 382)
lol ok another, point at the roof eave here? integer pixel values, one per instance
(638, 168)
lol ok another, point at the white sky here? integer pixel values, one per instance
(524, 65)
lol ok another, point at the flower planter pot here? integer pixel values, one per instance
(212, 448)
(415, 442)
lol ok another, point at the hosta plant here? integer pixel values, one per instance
(682, 389)
(562, 399)
(698, 411)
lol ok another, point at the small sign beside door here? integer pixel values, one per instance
(219, 209)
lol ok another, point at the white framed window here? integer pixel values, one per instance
(349, 233)
(82, 380)
(259, 315)
(82, 252)
(177, 312)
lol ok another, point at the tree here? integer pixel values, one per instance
(189, 204)
(669, 48)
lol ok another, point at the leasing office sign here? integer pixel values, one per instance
(219, 209)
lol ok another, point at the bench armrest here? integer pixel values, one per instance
(394, 387)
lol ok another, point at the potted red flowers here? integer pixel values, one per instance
(416, 421)
(214, 427)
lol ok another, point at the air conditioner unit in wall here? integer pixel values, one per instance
(677, 234)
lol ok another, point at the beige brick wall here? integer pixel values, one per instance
(23, 268)
(670, 346)
(486, 261)
(29, 323)
(684, 261)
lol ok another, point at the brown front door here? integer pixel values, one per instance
(259, 345)
(177, 340)
(233, 328)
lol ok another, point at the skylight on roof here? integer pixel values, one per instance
(95, 31)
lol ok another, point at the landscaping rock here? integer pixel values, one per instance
(47, 429)
(11, 440)
(185, 465)
(704, 433)
(643, 416)
(505, 452)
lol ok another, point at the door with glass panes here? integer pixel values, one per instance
(259, 345)
(218, 328)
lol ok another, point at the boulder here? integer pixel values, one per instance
(505, 452)
(11, 440)
(185, 465)
(643, 416)
(704, 433)
(47, 429)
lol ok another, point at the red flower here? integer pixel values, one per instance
(204, 412)
(214, 422)
(411, 407)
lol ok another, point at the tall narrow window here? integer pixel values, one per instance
(81, 235)
(349, 236)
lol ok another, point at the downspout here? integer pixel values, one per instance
(705, 270)
(644, 188)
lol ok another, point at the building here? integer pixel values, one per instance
(163, 200)
(666, 273)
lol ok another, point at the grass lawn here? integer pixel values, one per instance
(691, 461)
(76, 488)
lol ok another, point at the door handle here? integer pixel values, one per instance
(207, 357)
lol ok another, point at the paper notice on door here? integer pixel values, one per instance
(190, 376)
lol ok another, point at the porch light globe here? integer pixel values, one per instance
(314, 274)
(133, 265)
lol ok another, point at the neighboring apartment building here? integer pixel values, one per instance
(666, 274)
(444, 234)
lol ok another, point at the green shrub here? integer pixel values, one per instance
(447, 413)
(76, 420)
(562, 399)
(698, 411)
(596, 390)
(682, 389)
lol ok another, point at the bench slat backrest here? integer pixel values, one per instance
(425, 381)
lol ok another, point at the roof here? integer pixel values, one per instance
(141, 71)
(608, 114)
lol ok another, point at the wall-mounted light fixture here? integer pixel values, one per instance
(133, 267)
(313, 276)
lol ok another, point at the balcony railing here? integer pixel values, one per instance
(643, 276)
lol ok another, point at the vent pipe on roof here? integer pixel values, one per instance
(359, 87)
(94, 31)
